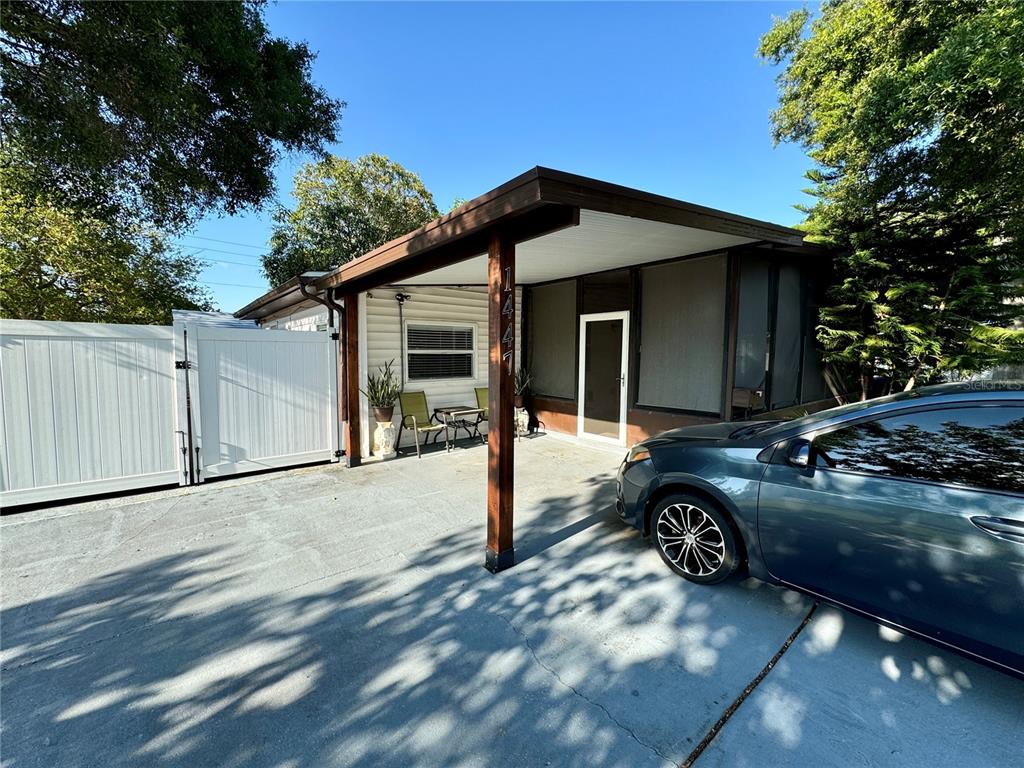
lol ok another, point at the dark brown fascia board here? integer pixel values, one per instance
(595, 195)
(252, 309)
(534, 189)
(469, 220)
(280, 296)
(526, 224)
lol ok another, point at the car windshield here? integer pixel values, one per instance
(840, 410)
(748, 430)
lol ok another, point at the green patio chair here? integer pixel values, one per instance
(482, 401)
(414, 409)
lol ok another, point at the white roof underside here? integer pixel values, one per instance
(601, 241)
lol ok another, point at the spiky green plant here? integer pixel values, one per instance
(522, 382)
(382, 388)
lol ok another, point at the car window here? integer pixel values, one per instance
(977, 446)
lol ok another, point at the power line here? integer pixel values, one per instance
(233, 285)
(219, 250)
(225, 242)
(226, 261)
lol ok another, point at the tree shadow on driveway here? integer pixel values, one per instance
(586, 653)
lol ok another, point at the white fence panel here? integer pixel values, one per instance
(86, 408)
(261, 399)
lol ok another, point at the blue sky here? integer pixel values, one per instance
(668, 98)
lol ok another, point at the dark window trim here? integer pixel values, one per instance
(559, 398)
(576, 335)
(673, 411)
(908, 412)
(731, 326)
(523, 330)
(635, 343)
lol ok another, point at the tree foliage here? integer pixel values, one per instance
(913, 112)
(344, 208)
(62, 264)
(156, 111)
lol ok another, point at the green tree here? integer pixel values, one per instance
(913, 112)
(62, 264)
(156, 111)
(344, 209)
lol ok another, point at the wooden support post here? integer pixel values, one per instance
(501, 327)
(350, 347)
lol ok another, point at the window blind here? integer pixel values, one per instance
(439, 352)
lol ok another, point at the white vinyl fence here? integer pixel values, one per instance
(260, 399)
(87, 408)
(93, 408)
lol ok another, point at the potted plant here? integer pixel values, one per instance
(521, 386)
(381, 391)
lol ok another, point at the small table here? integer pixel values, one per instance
(454, 418)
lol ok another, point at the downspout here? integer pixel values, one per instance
(303, 282)
(401, 298)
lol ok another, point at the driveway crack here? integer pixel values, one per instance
(749, 689)
(554, 673)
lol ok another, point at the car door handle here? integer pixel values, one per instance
(1012, 530)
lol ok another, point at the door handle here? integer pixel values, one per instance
(1001, 527)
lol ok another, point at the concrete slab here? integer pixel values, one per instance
(331, 617)
(850, 692)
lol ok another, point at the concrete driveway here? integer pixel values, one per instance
(332, 617)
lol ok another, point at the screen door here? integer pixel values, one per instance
(603, 362)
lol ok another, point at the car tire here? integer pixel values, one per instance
(694, 538)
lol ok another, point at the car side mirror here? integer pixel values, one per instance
(799, 454)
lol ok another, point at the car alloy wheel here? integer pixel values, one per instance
(694, 539)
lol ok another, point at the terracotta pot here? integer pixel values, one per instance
(517, 400)
(383, 415)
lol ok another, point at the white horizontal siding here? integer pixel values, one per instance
(467, 306)
(303, 320)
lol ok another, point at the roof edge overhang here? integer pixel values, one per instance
(279, 297)
(533, 204)
(537, 202)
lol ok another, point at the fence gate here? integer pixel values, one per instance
(254, 399)
(86, 408)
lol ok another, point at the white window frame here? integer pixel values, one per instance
(406, 352)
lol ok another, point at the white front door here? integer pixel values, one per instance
(604, 362)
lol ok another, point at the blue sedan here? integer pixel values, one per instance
(908, 509)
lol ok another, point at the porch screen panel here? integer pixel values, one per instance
(682, 340)
(785, 389)
(752, 326)
(813, 385)
(552, 341)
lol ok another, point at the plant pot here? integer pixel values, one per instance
(518, 400)
(384, 440)
(383, 415)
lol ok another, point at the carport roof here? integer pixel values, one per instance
(568, 224)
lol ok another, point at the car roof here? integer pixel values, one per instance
(939, 394)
